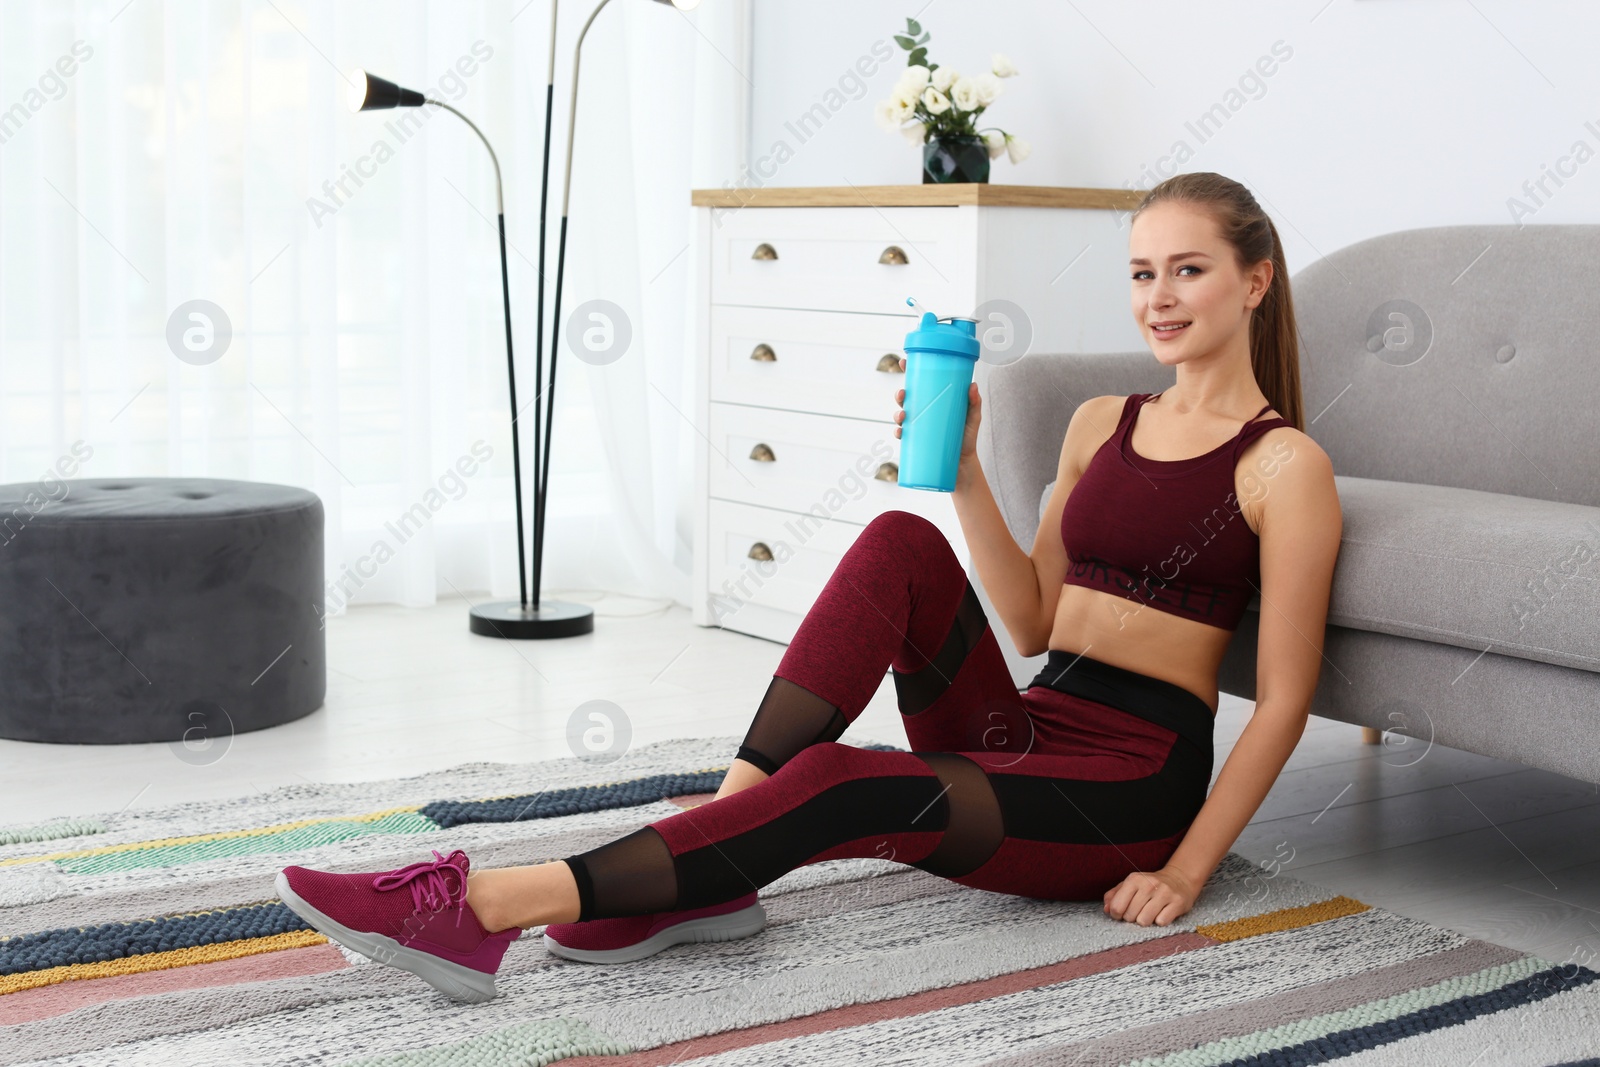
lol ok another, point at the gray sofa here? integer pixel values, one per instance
(1450, 374)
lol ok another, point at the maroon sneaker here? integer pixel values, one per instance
(430, 931)
(633, 937)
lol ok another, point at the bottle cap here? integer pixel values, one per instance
(957, 338)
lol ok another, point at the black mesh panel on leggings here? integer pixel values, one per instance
(790, 718)
(917, 690)
(633, 875)
(974, 827)
(637, 874)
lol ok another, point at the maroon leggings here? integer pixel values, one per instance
(1056, 792)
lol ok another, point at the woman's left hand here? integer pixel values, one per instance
(1147, 897)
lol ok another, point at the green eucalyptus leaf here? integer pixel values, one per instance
(923, 38)
(919, 55)
(913, 27)
(904, 42)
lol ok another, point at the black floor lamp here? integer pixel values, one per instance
(521, 619)
(515, 619)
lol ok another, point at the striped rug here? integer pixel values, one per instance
(155, 938)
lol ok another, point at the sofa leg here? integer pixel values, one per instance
(1371, 735)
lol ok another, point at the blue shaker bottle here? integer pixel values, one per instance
(940, 358)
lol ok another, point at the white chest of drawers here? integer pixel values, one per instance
(799, 321)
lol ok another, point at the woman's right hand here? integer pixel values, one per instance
(969, 435)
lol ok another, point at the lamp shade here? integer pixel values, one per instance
(368, 92)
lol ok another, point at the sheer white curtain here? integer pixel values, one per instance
(159, 152)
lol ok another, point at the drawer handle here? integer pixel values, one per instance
(759, 550)
(894, 254)
(762, 454)
(889, 363)
(888, 472)
(764, 251)
(763, 353)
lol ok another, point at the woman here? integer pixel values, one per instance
(1091, 783)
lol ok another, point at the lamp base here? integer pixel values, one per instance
(512, 620)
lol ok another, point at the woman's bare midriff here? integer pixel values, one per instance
(1136, 637)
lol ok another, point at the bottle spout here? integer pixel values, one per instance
(929, 320)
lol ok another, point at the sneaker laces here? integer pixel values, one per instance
(430, 886)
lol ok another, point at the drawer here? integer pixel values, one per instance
(828, 362)
(828, 258)
(819, 465)
(790, 565)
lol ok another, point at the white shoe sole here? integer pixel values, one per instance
(452, 979)
(729, 927)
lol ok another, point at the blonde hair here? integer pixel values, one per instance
(1274, 337)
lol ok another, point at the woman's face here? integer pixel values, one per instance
(1182, 271)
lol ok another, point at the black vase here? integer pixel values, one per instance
(955, 159)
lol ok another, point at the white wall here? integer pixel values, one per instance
(1386, 114)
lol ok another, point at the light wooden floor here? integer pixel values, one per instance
(1493, 849)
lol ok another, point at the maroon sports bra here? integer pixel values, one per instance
(1167, 533)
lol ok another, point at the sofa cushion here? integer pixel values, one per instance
(1507, 574)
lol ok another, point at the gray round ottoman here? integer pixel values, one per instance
(158, 609)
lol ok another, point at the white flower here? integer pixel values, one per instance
(988, 88)
(943, 77)
(1017, 148)
(1002, 67)
(935, 101)
(893, 112)
(996, 143)
(913, 79)
(916, 133)
(965, 94)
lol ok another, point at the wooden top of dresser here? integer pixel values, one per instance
(949, 194)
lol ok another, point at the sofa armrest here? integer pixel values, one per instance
(1026, 408)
